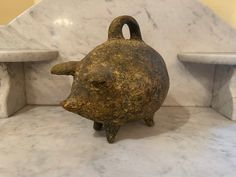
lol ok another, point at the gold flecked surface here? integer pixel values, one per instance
(119, 81)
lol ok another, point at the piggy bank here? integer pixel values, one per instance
(119, 81)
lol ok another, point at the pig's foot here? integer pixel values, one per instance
(97, 126)
(149, 122)
(111, 131)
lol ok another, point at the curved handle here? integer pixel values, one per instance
(115, 29)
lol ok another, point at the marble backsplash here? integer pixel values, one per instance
(75, 27)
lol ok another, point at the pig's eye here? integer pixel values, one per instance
(99, 84)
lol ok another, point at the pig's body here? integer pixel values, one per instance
(119, 81)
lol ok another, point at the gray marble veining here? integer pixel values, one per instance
(224, 83)
(224, 92)
(51, 142)
(27, 55)
(12, 76)
(208, 58)
(12, 88)
(75, 27)
(10, 38)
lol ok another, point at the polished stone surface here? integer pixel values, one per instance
(209, 58)
(224, 83)
(11, 39)
(224, 91)
(12, 88)
(27, 55)
(51, 142)
(12, 76)
(72, 28)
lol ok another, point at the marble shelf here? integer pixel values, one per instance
(224, 84)
(185, 141)
(209, 58)
(12, 77)
(27, 55)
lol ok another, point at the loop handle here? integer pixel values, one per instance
(115, 29)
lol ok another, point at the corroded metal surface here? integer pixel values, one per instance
(119, 81)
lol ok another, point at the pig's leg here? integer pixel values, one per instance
(111, 131)
(149, 121)
(97, 126)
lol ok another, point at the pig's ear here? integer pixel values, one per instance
(67, 68)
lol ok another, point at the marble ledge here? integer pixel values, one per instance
(224, 87)
(27, 55)
(12, 80)
(208, 58)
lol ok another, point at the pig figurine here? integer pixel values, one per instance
(119, 81)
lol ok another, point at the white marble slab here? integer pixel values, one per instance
(224, 92)
(224, 83)
(208, 58)
(10, 38)
(185, 142)
(27, 55)
(168, 26)
(12, 88)
(12, 76)
(4, 89)
(72, 28)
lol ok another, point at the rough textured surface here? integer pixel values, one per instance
(170, 27)
(51, 142)
(119, 81)
(12, 88)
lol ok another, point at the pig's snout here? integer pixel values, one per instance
(71, 104)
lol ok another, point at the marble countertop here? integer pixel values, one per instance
(27, 55)
(51, 142)
(209, 58)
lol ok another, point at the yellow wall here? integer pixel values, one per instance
(226, 9)
(9, 9)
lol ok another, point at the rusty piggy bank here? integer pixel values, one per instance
(119, 81)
